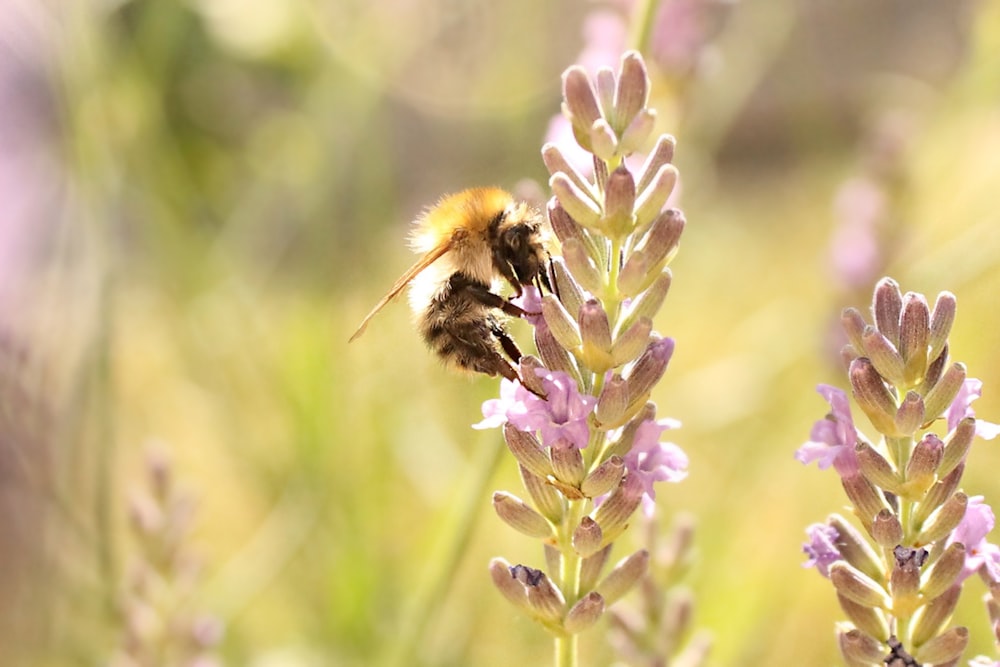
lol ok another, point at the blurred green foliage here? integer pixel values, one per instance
(235, 185)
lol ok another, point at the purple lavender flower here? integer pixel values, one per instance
(821, 548)
(832, 438)
(971, 532)
(961, 408)
(560, 417)
(650, 460)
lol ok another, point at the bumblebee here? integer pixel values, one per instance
(470, 243)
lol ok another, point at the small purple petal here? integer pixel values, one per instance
(961, 408)
(971, 532)
(832, 438)
(821, 548)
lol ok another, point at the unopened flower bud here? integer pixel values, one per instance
(887, 361)
(520, 516)
(635, 137)
(584, 614)
(564, 227)
(934, 372)
(857, 587)
(631, 343)
(511, 588)
(914, 331)
(614, 513)
(854, 326)
(527, 369)
(910, 415)
(604, 141)
(619, 198)
(904, 582)
(944, 573)
(941, 395)
(649, 368)
(582, 267)
(860, 647)
(584, 210)
(554, 355)
(623, 445)
(886, 529)
(945, 519)
(957, 446)
(654, 251)
(649, 302)
(581, 101)
(873, 396)
(854, 548)
(876, 469)
(887, 305)
(595, 332)
(570, 292)
(870, 620)
(931, 618)
(921, 471)
(612, 402)
(632, 92)
(527, 450)
(544, 598)
(938, 494)
(587, 537)
(942, 319)
(662, 153)
(591, 568)
(560, 323)
(547, 500)
(865, 497)
(624, 576)
(567, 463)
(945, 649)
(556, 162)
(604, 478)
(651, 201)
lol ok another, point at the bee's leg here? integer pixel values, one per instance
(506, 342)
(491, 300)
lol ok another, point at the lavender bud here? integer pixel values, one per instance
(651, 201)
(564, 227)
(959, 442)
(904, 582)
(635, 137)
(887, 361)
(855, 327)
(616, 510)
(934, 372)
(944, 391)
(876, 469)
(560, 323)
(623, 445)
(584, 210)
(624, 576)
(944, 649)
(584, 614)
(595, 330)
(570, 293)
(582, 266)
(591, 568)
(887, 530)
(527, 367)
(604, 478)
(656, 249)
(857, 587)
(633, 89)
(520, 516)
(944, 520)
(887, 305)
(942, 320)
(503, 579)
(606, 85)
(553, 354)
(648, 303)
(547, 500)
(527, 450)
(619, 199)
(859, 647)
(556, 163)
(910, 415)
(914, 331)
(662, 153)
(581, 102)
(854, 548)
(929, 620)
(631, 343)
(938, 494)
(921, 471)
(866, 499)
(603, 140)
(587, 537)
(546, 600)
(649, 368)
(944, 573)
(870, 620)
(567, 463)
(612, 402)
(873, 396)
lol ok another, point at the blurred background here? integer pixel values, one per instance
(199, 201)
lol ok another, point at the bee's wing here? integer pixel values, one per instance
(404, 280)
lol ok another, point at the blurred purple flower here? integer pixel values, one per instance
(971, 532)
(832, 438)
(961, 408)
(650, 460)
(855, 249)
(821, 548)
(562, 416)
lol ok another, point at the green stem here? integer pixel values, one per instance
(642, 25)
(566, 651)
(569, 578)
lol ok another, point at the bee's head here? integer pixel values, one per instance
(520, 254)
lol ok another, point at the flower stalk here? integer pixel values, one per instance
(590, 451)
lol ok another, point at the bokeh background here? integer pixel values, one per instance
(200, 199)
